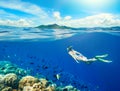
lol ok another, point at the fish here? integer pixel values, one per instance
(58, 76)
(31, 63)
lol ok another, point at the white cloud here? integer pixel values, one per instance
(24, 7)
(13, 20)
(41, 17)
(20, 22)
(100, 20)
(67, 17)
(35, 14)
(4, 14)
(56, 15)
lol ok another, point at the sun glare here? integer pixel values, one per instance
(95, 4)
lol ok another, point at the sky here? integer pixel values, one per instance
(73, 13)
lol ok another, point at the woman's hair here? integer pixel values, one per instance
(69, 48)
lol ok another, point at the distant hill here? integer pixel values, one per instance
(56, 26)
(53, 26)
(115, 28)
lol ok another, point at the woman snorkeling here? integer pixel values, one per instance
(79, 57)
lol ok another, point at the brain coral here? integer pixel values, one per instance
(27, 81)
(7, 89)
(11, 80)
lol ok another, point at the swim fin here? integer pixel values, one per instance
(103, 60)
(101, 56)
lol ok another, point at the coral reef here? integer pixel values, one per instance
(7, 67)
(34, 84)
(10, 82)
(27, 81)
(7, 89)
(67, 88)
(13, 78)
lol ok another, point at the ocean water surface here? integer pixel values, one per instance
(44, 52)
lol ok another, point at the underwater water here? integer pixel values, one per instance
(44, 52)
